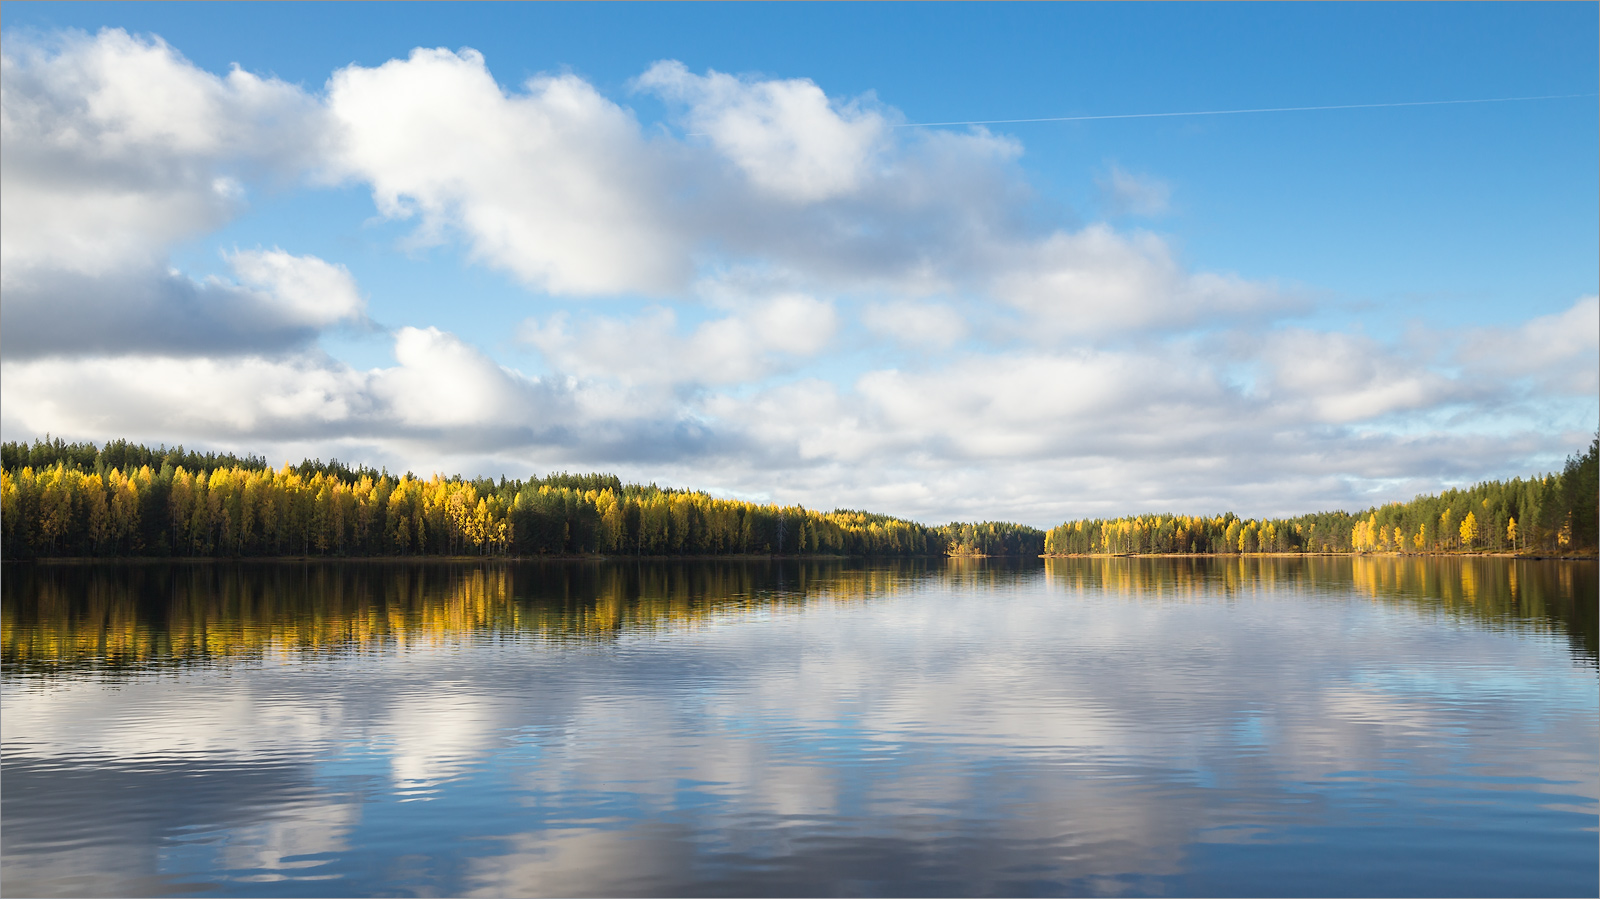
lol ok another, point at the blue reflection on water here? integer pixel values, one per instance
(1104, 730)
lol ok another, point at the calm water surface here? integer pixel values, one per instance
(1105, 727)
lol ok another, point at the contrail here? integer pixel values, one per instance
(1168, 115)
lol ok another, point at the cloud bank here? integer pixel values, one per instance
(772, 292)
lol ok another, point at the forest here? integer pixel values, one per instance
(62, 499)
(1553, 513)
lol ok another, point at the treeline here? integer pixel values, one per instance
(1553, 513)
(992, 538)
(60, 499)
(101, 617)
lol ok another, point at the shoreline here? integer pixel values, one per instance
(1530, 557)
(772, 557)
(564, 557)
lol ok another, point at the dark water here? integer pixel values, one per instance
(1127, 727)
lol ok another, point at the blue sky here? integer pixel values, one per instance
(740, 271)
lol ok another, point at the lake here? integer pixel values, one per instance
(1185, 726)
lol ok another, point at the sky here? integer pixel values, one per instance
(720, 247)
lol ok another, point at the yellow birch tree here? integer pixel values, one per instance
(1469, 531)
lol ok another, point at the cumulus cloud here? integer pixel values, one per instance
(296, 398)
(1560, 351)
(202, 398)
(1035, 436)
(442, 397)
(443, 383)
(915, 323)
(787, 136)
(554, 184)
(933, 218)
(558, 185)
(280, 302)
(1097, 281)
(1162, 427)
(116, 147)
(1025, 409)
(648, 349)
(1344, 378)
(304, 288)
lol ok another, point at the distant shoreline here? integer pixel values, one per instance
(769, 557)
(121, 499)
(1531, 557)
(565, 557)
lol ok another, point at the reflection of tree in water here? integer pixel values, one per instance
(134, 616)
(1559, 596)
(1494, 592)
(989, 572)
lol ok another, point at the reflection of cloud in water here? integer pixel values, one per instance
(434, 736)
(1237, 720)
(1090, 848)
(292, 845)
(202, 718)
(927, 737)
(148, 818)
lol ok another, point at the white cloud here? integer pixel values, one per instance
(795, 324)
(305, 288)
(557, 184)
(554, 184)
(1034, 436)
(116, 147)
(788, 137)
(282, 303)
(647, 349)
(1345, 378)
(1561, 351)
(913, 323)
(207, 398)
(442, 398)
(442, 382)
(1096, 282)
(1018, 407)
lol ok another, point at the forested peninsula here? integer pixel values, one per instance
(62, 499)
(1551, 514)
(122, 499)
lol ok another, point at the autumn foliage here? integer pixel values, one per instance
(66, 500)
(1550, 513)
